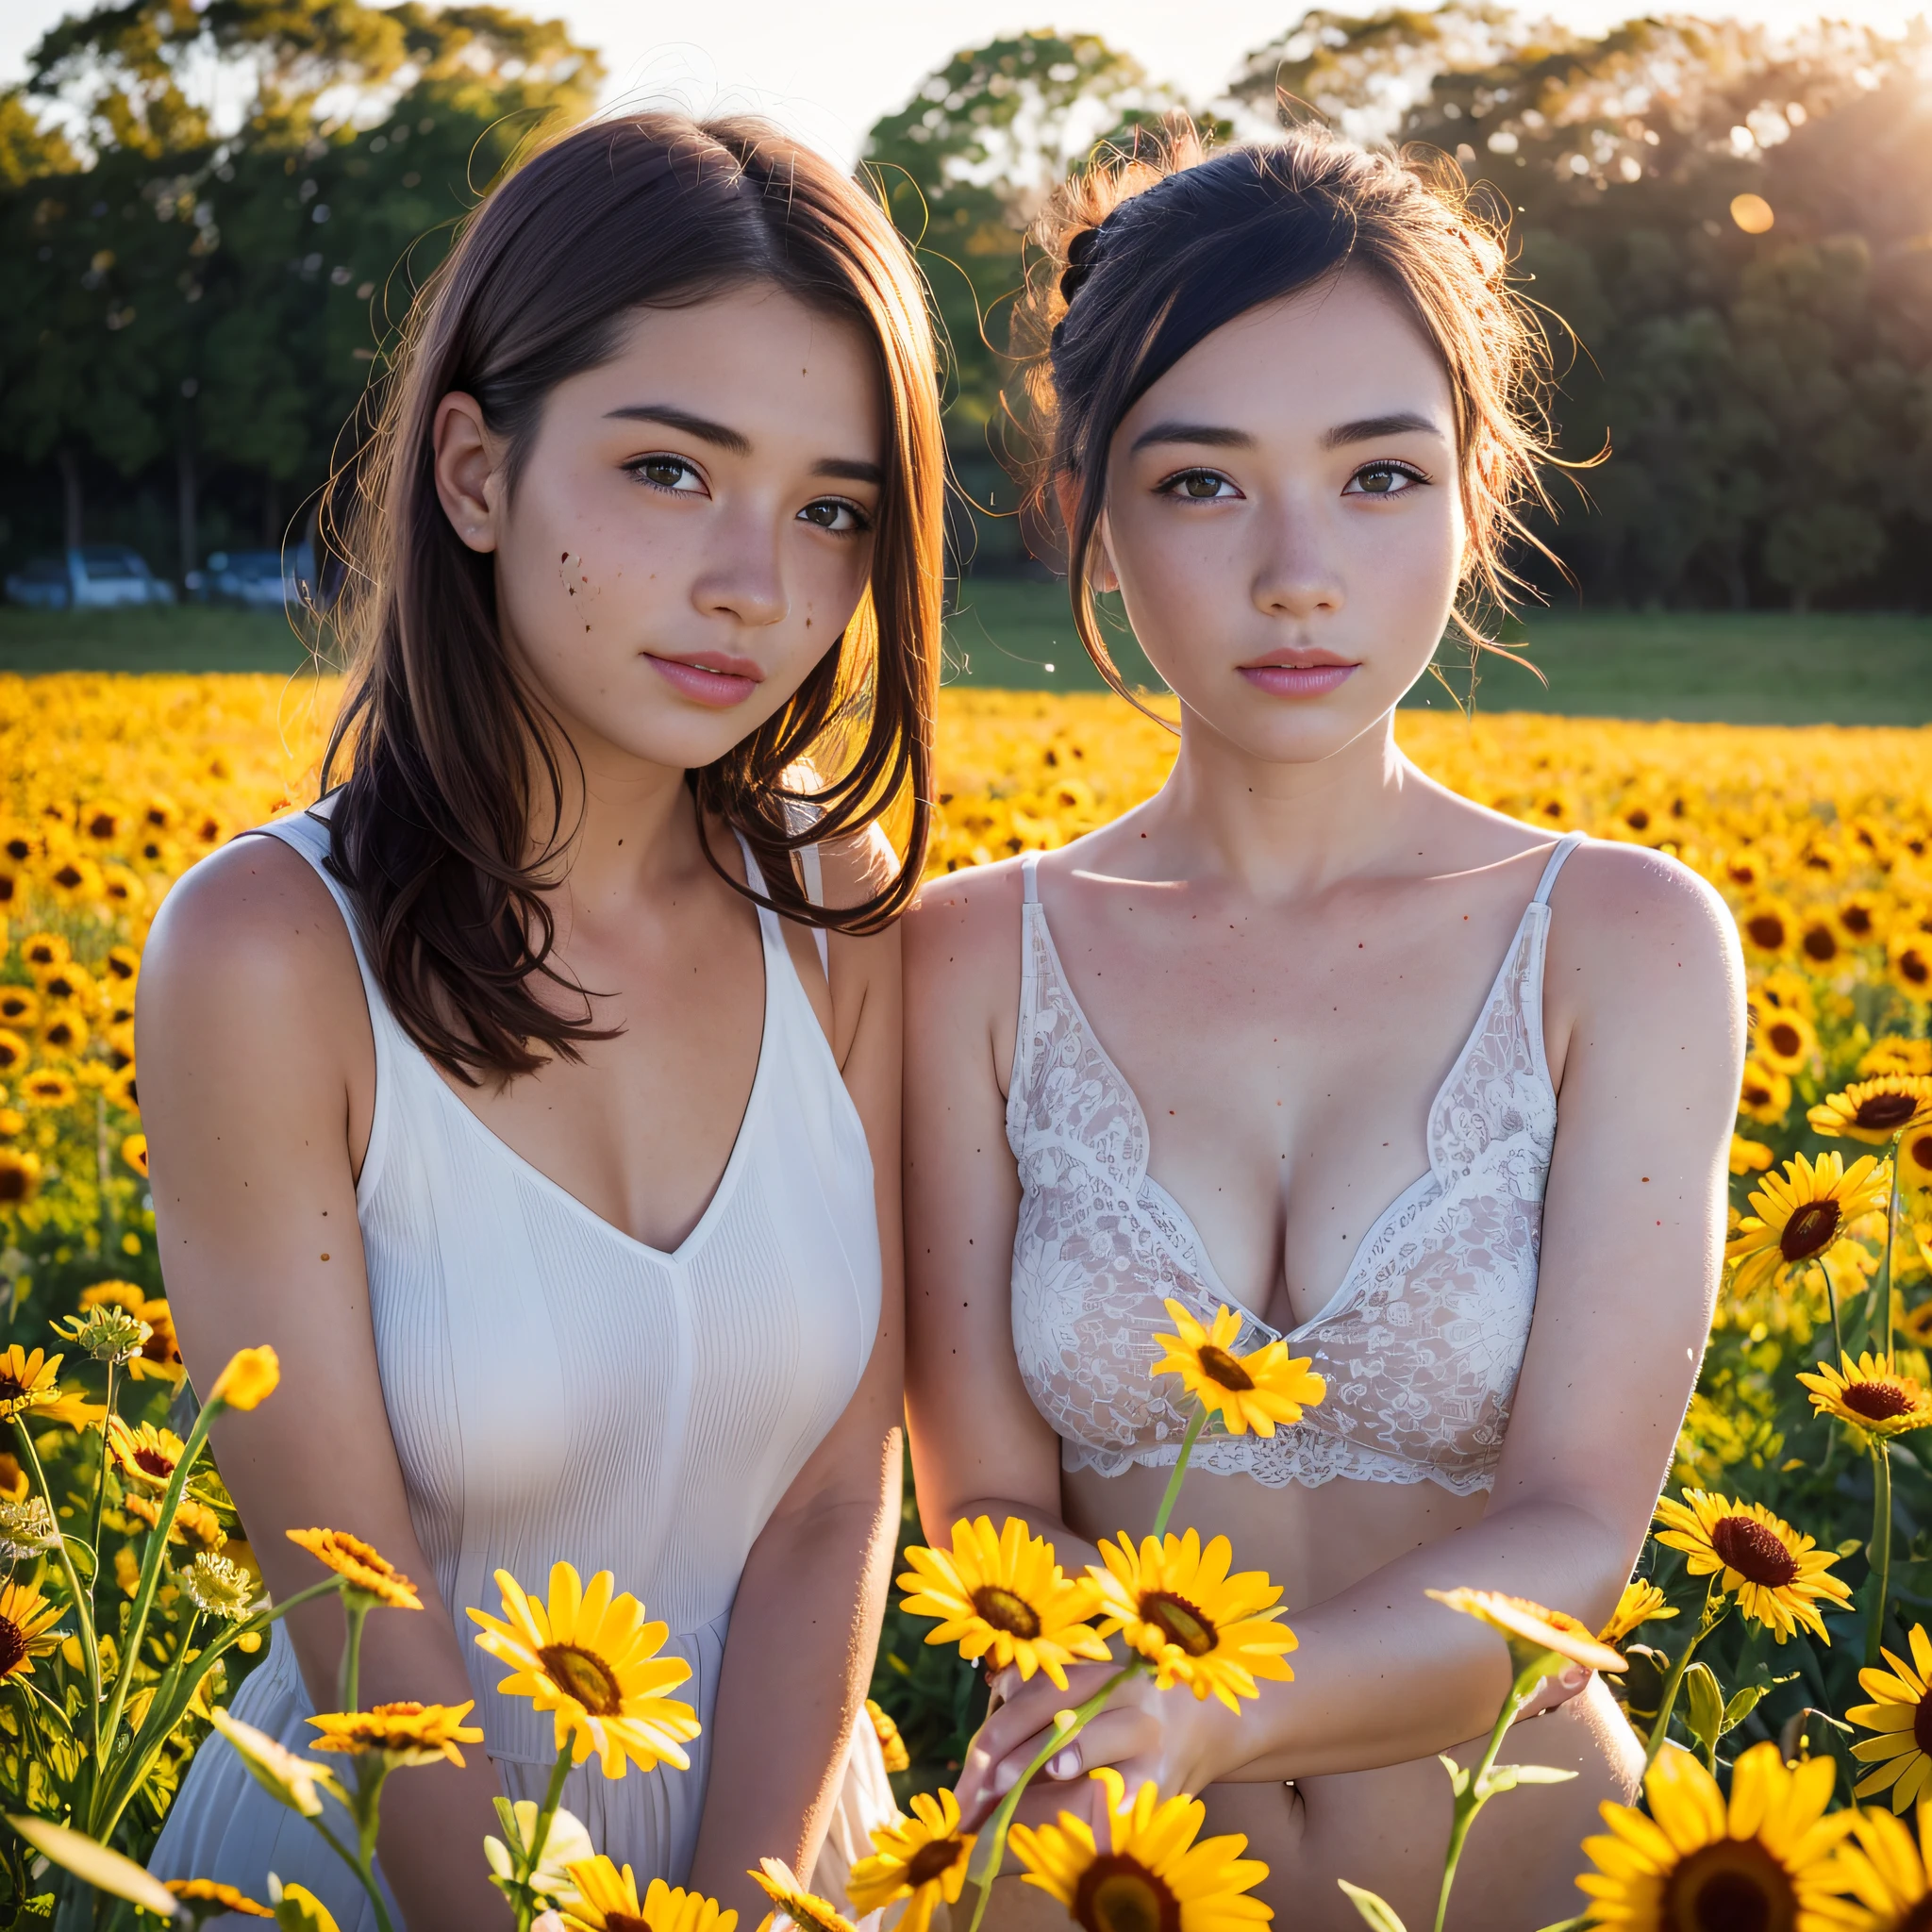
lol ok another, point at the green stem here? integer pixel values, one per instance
(1837, 1339)
(539, 1837)
(366, 1879)
(93, 1527)
(1890, 1223)
(1003, 1819)
(1713, 1615)
(1173, 1495)
(1472, 1798)
(356, 1608)
(89, 1653)
(1880, 1550)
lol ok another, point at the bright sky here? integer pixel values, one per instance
(830, 71)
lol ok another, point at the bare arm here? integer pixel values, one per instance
(257, 1076)
(806, 1623)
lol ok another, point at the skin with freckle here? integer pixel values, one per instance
(1283, 952)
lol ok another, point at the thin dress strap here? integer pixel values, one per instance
(1564, 847)
(1029, 873)
(812, 874)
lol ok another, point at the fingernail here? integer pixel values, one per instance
(1005, 1778)
(1063, 1764)
(1574, 1677)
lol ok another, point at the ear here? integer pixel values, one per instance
(467, 483)
(1100, 570)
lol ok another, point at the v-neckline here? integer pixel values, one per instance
(1200, 1261)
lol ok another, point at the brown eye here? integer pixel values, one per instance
(1383, 480)
(667, 473)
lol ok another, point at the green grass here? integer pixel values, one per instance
(1760, 668)
(1766, 667)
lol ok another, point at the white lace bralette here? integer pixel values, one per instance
(1422, 1343)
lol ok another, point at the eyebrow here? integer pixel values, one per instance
(1370, 428)
(1213, 435)
(720, 436)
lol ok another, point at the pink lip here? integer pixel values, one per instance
(710, 677)
(1299, 674)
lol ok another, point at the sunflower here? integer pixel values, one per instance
(1869, 1395)
(194, 1523)
(75, 880)
(13, 1051)
(1803, 1213)
(123, 964)
(296, 1782)
(1248, 1392)
(49, 1088)
(590, 1657)
(223, 1898)
(144, 1454)
(1531, 1631)
(1750, 1157)
(400, 1733)
(1769, 926)
(807, 1912)
(1903, 1719)
(1004, 1596)
(891, 1745)
(1818, 942)
(1885, 1869)
(1875, 1110)
(1178, 1605)
(1915, 1158)
(27, 1620)
(607, 1901)
(18, 1006)
(1764, 1861)
(1890, 1053)
(1642, 1603)
(1763, 1095)
(134, 1152)
(1778, 1577)
(159, 1356)
(1785, 1041)
(44, 951)
(1909, 955)
(361, 1565)
(26, 1381)
(1152, 1874)
(20, 1178)
(249, 1378)
(921, 1859)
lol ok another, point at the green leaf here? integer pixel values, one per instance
(1458, 1776)
(95, 1864)
(1505, 1777)
(1704, 1705)
(1377, 1912)
(1743, 1704)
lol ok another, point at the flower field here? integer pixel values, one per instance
(1797, 1539)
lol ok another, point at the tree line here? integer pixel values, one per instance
(1730, 232)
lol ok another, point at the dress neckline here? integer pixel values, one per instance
(1198, 1262)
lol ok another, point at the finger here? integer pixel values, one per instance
(1112, 1736)
(1557, 1690)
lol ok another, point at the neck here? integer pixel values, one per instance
(1279, 830)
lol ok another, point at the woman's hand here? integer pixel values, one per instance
(1167, 1738)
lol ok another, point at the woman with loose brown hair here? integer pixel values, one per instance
(1440, 1103)
(536, 1093)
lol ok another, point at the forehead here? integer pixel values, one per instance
(1344, 350)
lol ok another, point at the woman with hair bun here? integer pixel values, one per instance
(1437, 1099)
(536, 1094)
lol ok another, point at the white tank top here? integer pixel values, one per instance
(558, 1390)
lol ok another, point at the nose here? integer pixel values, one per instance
(743, 577)
(1298, 576)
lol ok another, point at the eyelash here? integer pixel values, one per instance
(1384, 466)
(861, 521)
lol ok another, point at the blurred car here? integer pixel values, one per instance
(259, 578)
(94, 576)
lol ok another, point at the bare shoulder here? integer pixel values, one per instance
(962, 966)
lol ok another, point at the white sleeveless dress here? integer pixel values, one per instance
(558, 1392)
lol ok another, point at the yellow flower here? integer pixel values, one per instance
(1750, 1157)
(1176, 1603)
(216, 1586)
(194, 1524)
(18, 1006)
(248, 1380)
(294, 1781)
(1869, 1395)
(49, 1088)
(1785, 1041)
(1861, 918)
(1249, 1391)
(607, 1901)
(891, 1745)
(25, 1620)
(921, 1859)
(26, 1381)
(1764, 1861)
(361, 1564)
(1151, 1874)
(1885, 1869)
(1004, 1596)
(20, 1178)
(590, 1657)
(1891, 1053)
(806, 1910)
(208, 1892)
(1903, 1719)
(1530, 1630)
(402, 1733)
(1642, 1603)
(134, 1152)
(64, 1031)
(1874, 1110)
(1909, 954)
(1779, 1577)
(1803, 1213)
(1764, 1095)
(43, 953)
(145, 1455)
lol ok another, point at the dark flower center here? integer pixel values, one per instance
(1857, 918)
(69, 876)
(1179, 1622)
(1921, 1731)
(933, 1862)
(1878, 1402)
(1005, 1611)
(1784, 1038)
(1767, 930)
(1820, 943)
(15, 1183)
(1733, 1886)
(585, 1676)
(12, 1646)
(153, 1461)
(1224, 1368)
(1636, 819)
(626, 1922)
(1117, 1893)
(12, 1387)
(1755, 1553)
(1809, 1231)
(1913, 966)
(1887, 1111)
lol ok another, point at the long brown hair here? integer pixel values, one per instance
(432, 826)
(1140, 257)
